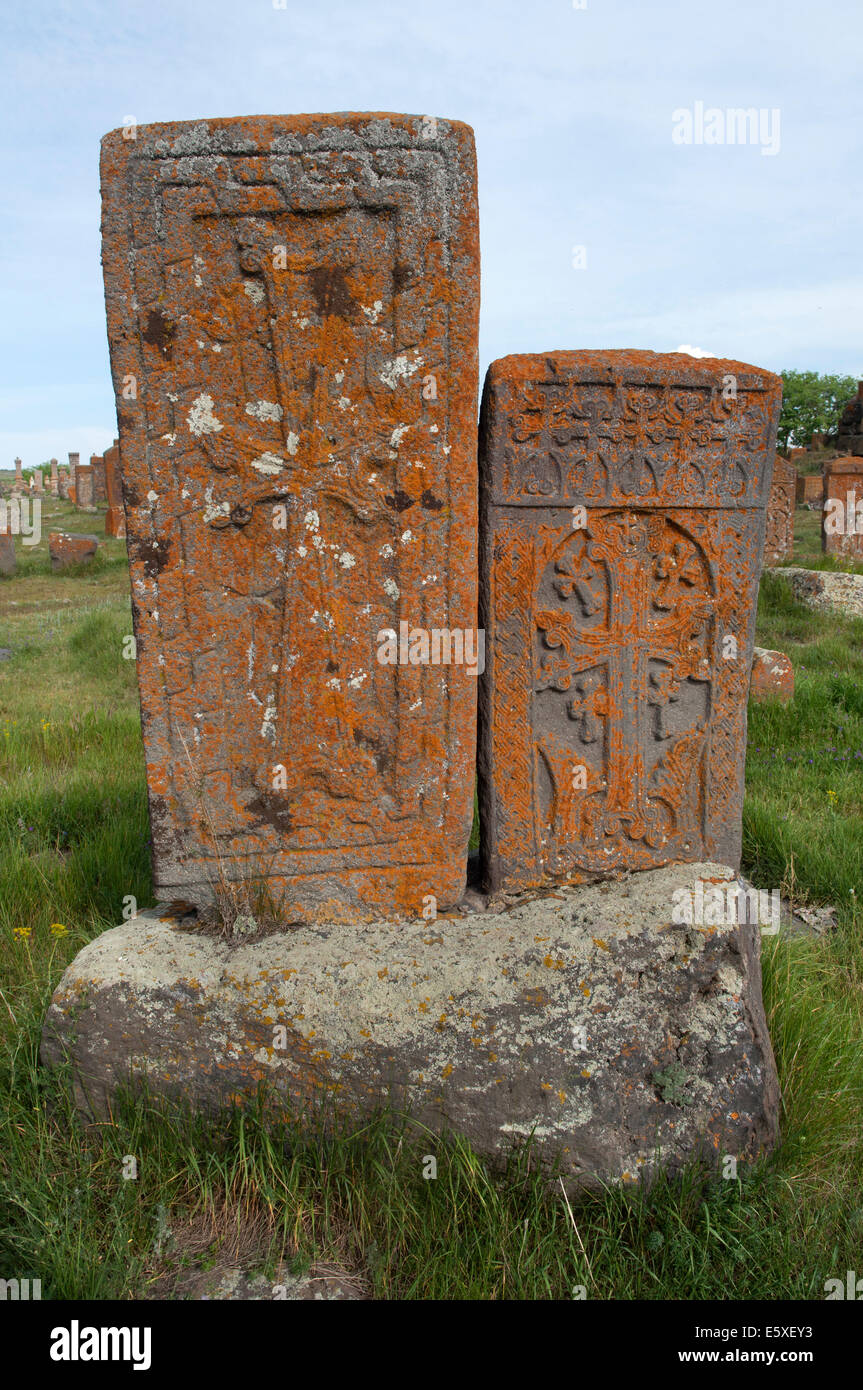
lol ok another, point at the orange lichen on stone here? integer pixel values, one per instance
(292, 313)
(623, 499)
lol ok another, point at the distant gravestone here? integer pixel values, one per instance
(19, 478)
(810, 489)
(38, 481)
(100, 491)
(7, 545)
(849, 439)
(779, 533)
(54, 479)
(84, 487)
(622, 516)
(64, 482)
(74, 460)
(292, 314)
(115, 517)
(842, 517)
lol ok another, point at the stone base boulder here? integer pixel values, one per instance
(585, 1018)
(68, 548)
(772, 676)
(826, 591)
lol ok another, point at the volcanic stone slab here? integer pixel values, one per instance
(84, 487)
(623, 500)
(115, 517)
(70, 548)
(100, 492)
(608, 1021)
(772, 676)
(842, 517)
(779, 533)
(810, 489)
(292, 313)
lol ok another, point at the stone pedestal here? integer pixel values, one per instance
(590, 1018)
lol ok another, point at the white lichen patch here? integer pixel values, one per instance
(399, 369)
(291, 442)
(268, 464)
(152, 497)
(334, 683)
(398, 434)
(406, 536)
(268, 728)
(391, 588)
(264, 410)
(433, 429)
(200, 418)
(344, 402)
(312, 521)
(386, 551)
(339, 377)
(254, 291)
(198, 281)
(321, 618)
(373, 313)
(347, 560)
(170, 438)
(356, 679)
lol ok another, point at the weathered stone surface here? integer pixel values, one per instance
(69, 548)
(84, 487)
(779, 533)
(622, 525)
(826, 591)
(810, 489)
(842, 517)
(115, 517)
(299, 485)
(849, 439)
(100, 492)
(585, 1017)
(797, 454)
(772, 676)
(7, 553)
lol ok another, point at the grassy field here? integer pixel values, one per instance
(232, 1190)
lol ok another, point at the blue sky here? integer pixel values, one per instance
(718, 246)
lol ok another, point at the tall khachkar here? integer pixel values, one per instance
(292, 312)
(623, 501)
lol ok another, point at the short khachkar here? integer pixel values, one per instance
(779, 531)
(622, 525)
(292, 313)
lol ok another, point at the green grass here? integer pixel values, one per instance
(73, 847)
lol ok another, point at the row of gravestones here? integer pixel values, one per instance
(339, 592)
(85, 486)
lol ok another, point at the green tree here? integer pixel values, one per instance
(811, 404)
